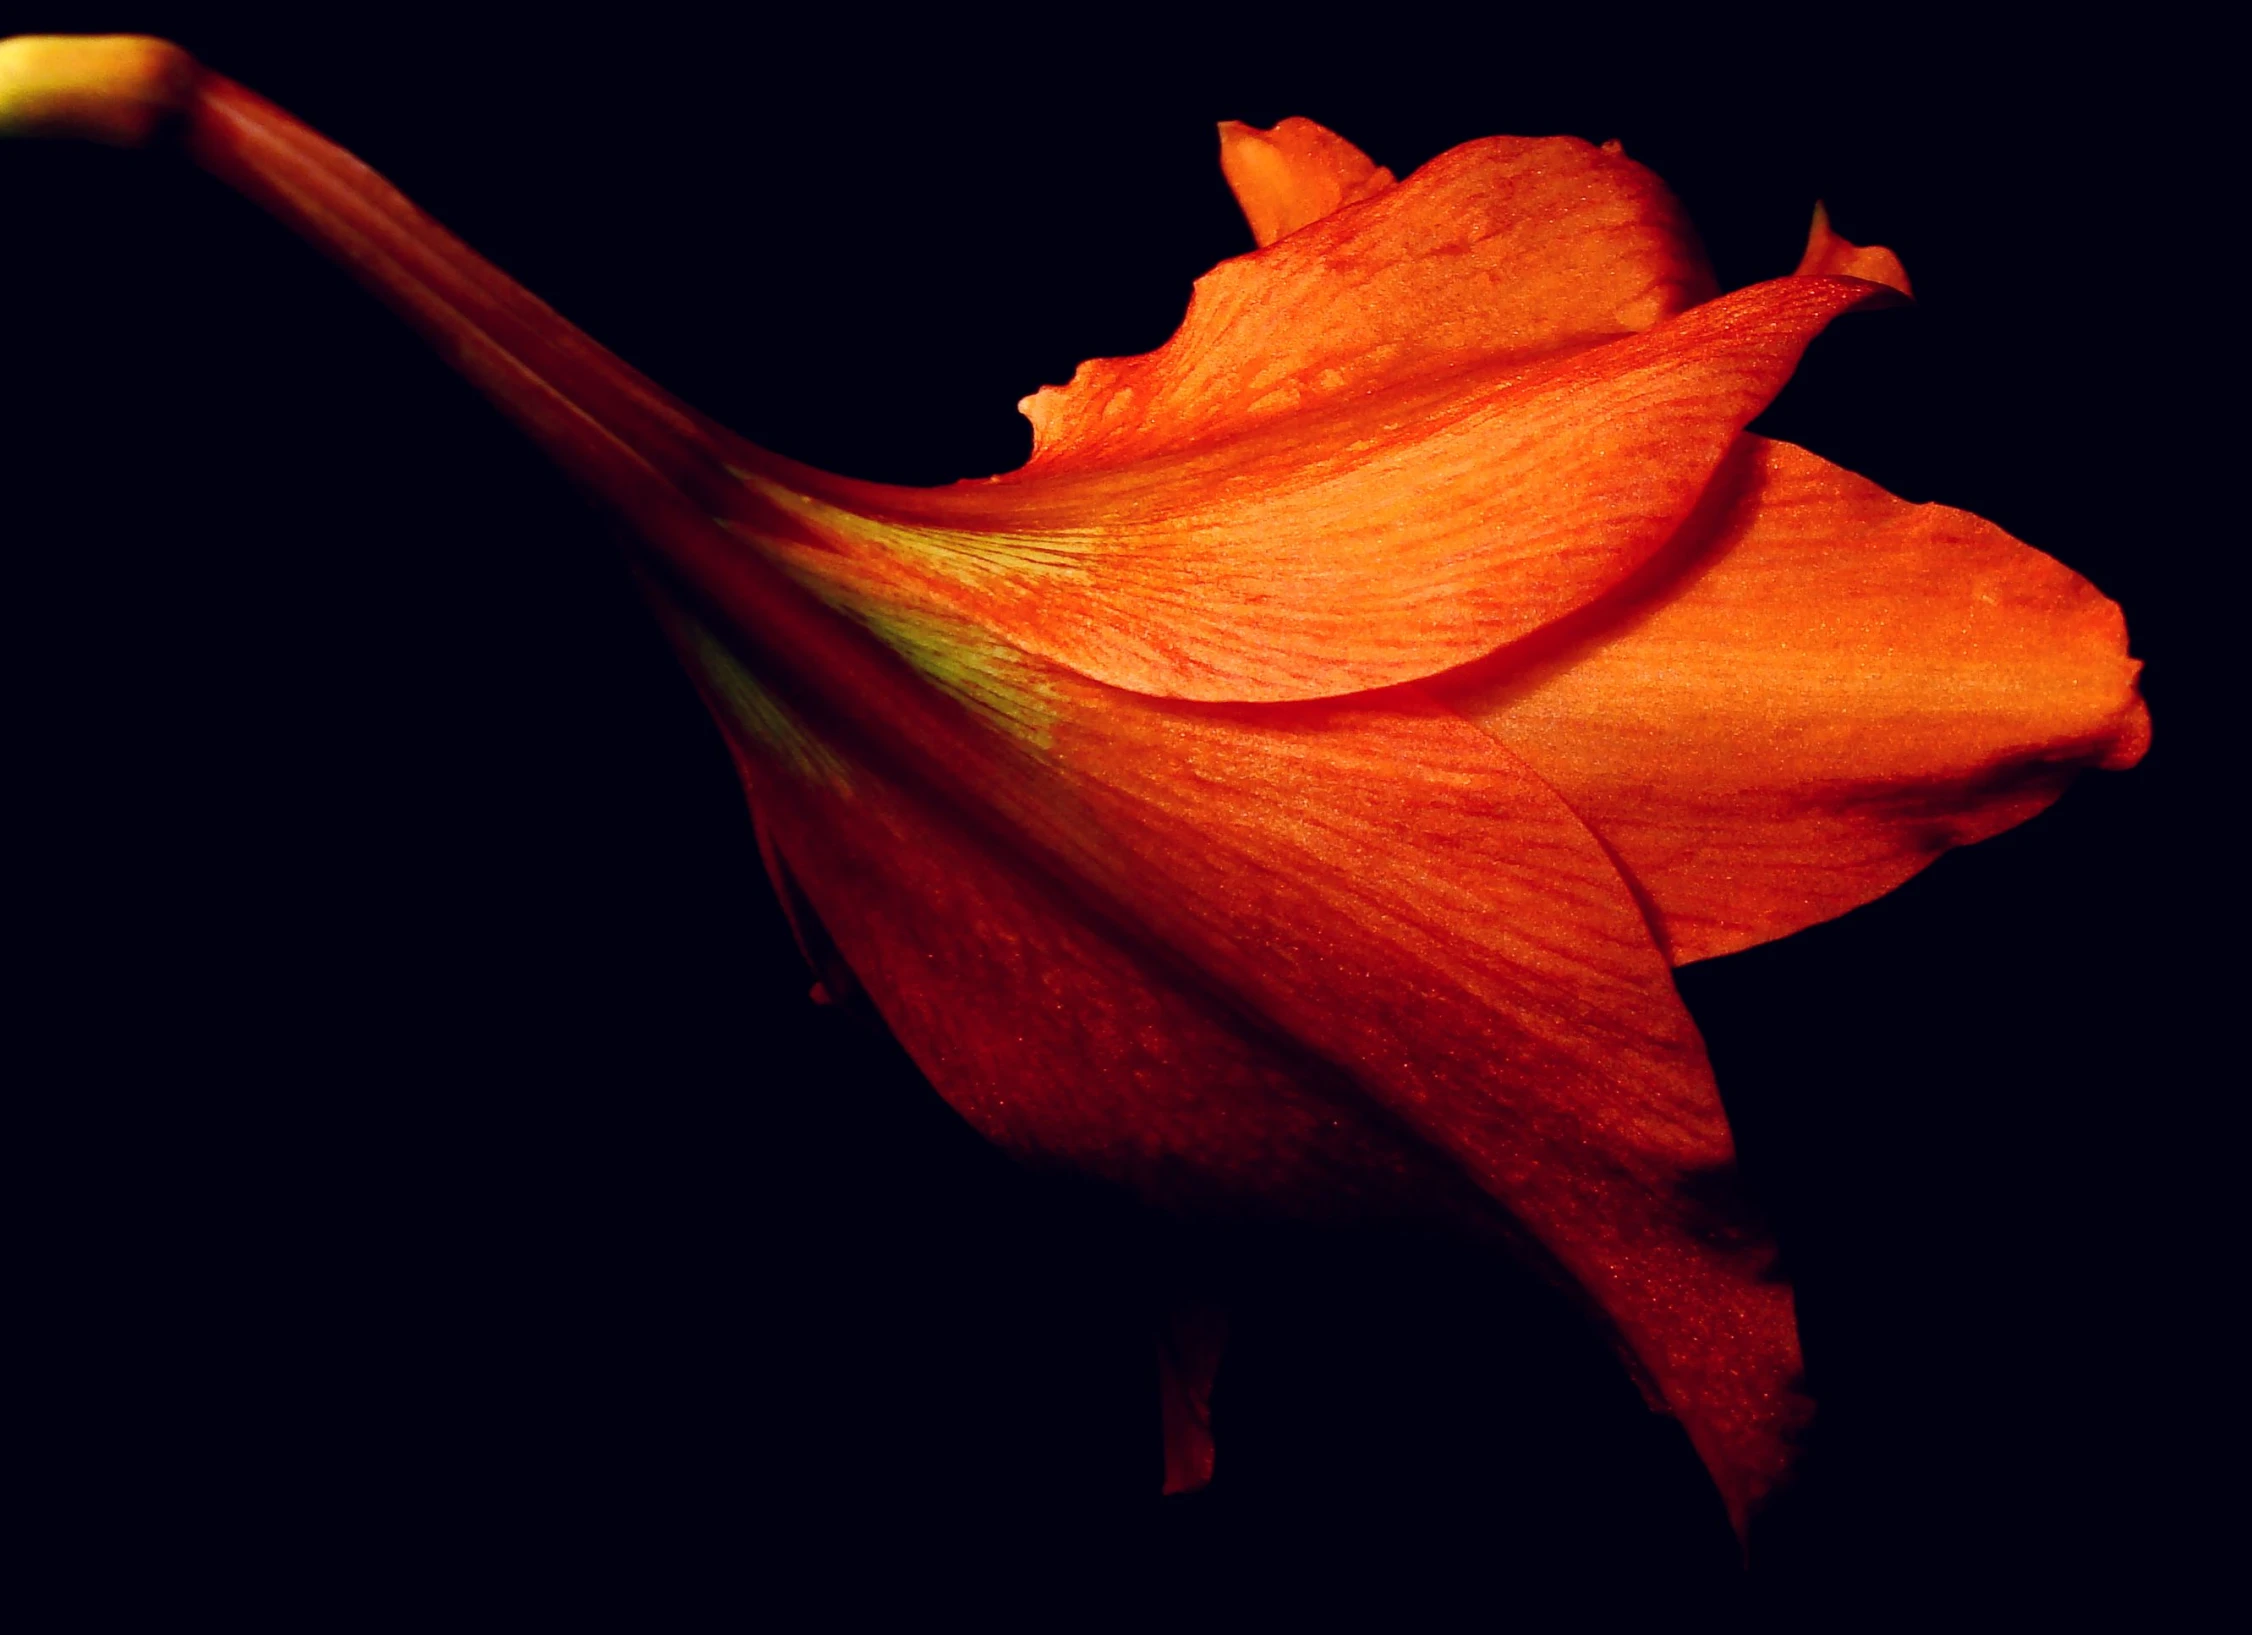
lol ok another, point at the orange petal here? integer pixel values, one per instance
(1826, 690)
(1294, 174)
(1367, 544)
(1506, 248)
(1826, 252)
(1350, 587)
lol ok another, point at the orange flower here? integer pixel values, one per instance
(1293, 786)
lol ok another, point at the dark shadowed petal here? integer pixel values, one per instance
(1310, 952)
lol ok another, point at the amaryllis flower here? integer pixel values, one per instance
(1292, 789)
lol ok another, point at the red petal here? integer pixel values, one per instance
(1374, 542)
(1065, 1042)
(1823, 692)
(1506, 248)
(1827, 253)
(1295, 174)
(1296, 954)
(1432, 918)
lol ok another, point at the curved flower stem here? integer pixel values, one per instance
(669, 473)
(673, 476)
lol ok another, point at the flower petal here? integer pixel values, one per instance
(1432, 918)
(1828, 688)
(1360, 567)
(1502, 248)
(1295, 174)
(1828, 253)
(1064, 1043)
(1324, 956)
(1365, 544)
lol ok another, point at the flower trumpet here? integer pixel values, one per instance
(1292, 788)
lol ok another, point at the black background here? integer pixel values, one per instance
(441, 1177)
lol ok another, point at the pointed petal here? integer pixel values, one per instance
(1372, 543)
(1828, 253)
(1827, 689)
(1295, 174)
(1503, 248)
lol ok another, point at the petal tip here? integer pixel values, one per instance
(1295, 174)
(1828, 252)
